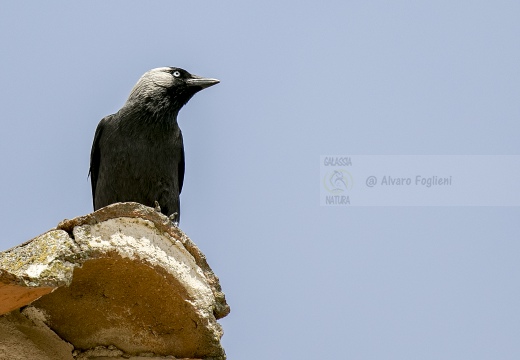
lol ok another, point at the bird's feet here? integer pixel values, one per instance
(174, 219)
(157, 207)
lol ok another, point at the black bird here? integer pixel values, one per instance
(138, 152)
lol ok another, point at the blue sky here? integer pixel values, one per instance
(298, 80)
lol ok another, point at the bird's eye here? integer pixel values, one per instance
(176, 74)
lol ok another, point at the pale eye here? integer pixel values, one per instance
(176, 74)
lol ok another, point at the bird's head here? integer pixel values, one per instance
(167, 88)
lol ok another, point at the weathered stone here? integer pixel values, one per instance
(22, 339)
(13, 296)
(164, 225)
(122, 279)
(35, 268)
(47, 260)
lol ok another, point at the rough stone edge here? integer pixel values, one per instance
(54, 250)
(20, 295)
(33, 336)
(20, 284)
(163, 224)
(8, 278)
(113, 353)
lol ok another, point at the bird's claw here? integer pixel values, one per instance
(157, 207)
(173, 219)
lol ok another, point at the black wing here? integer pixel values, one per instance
(181, 170)
(95, 157)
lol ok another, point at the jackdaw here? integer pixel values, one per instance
(138, 152)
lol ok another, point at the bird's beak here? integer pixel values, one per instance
(201, 82)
